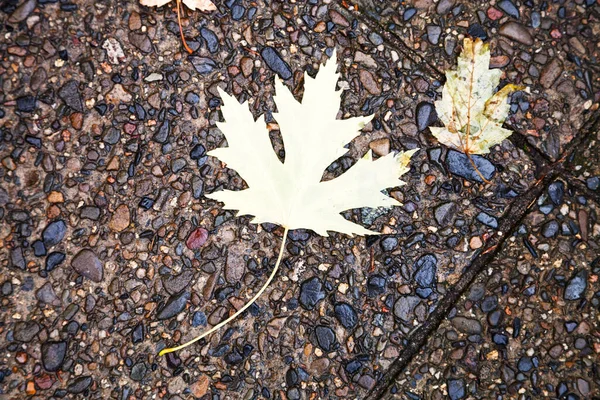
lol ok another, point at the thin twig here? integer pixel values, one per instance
(241, 310)
(187, 48)
(476, 169)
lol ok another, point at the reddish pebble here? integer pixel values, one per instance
(130, 128)
(494, 13)
(44, 381)
(555, 33)
(197, 238)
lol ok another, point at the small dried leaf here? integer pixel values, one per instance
(202, 5)
(472, 114)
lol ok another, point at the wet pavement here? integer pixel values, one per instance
(109, 251)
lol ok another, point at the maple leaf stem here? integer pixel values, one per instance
(476, 169)
(187, 48)
(241, 310)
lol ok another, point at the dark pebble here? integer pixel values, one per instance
(325, 338)
(346, 315)
(138, 372)
(556, 191)
(376, 285)
(162, 133)
(276, 63)
(426, 115)
(459, 165)
(525, 364)
(79, 385)
(54, 259)
(389, 243)
(53, 355)
(69, 93)
(509, 8)
(54, 233)
(25, 331)
(409, 13)
(212, 42)
(404, 307)
(311, 292)
(576, 286)
(444, 213)
(456, 389)
(173, 306)
(87, 264)
(425, 271)
(203, 65)
(26, 103)
(550, 229)
(487, 220)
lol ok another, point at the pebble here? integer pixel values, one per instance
(311, 293)
(515, 31)
(46, 294)
(54, 259)
(163, 132)
(174, 305)
(54, 233)
(444, 213)
(550, 73)
(425, 271)
(53, 355)
(556, 191)
(25, 331)
(433, 33)
(404, 307)
(276, 63)
(120, 219)
(487, 220)
(203, 65)
(576, 286)
(459, 165)
(426, 115)
(467, 325)
(456, 389)
(22, 12)
(550, 229)
(346, 315)
(87, 264)
(369, 82)
(509, 8)
(197, 238)
(69, 93)
(326, 339)
(80, 384)
(212, 42)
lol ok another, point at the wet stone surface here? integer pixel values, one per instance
(551, 47)
(111, 253)
(528, 325)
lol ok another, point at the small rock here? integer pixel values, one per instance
(515, 31)
(200, 387)
(79, 385)
(54, 233)
(141, 41)
(459, 165)
(404, 307)
(576, 286)
(69, 93)
(550, 73)
(426, 115)
(203, 65)
(311, 292)
(162, 133)
(212, 42)
(22, 12)
(444, 213)
(467, 325)
(53, 355)
(433, 33)
(326, 339)
(550, 229)
(173, 306)
(46, 294)
(509, 8)
(556, 191)
(487, 220)
(25, 331)
(86, 263)
(456, 389)
(276, 63)
(426, 270)
(120, 219)
(175, 284)
(138, 372)
(369, 82)
(197, 238)
(346, 315)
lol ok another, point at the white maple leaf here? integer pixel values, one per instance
(202, 5)
(292, 194)
(470, 110)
